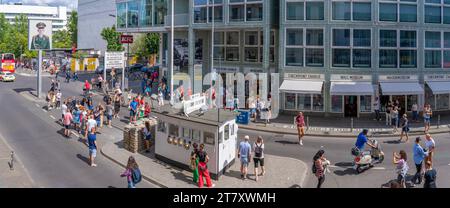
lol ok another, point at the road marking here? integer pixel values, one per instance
(44, 110)
(379, 168)
(52, 117)
(332, 166)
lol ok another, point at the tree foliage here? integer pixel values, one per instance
(112, 38)
(14, 38)
(146, 45)
(72, 27)
(61, 39)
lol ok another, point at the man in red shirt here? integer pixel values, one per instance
(300, 121)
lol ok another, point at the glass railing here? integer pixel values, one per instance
(179, 20)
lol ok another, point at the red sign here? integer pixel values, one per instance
(126, 39)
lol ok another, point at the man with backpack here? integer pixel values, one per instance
(258, 159)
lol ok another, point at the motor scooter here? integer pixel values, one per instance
(367, 159)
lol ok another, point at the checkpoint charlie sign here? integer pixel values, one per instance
(114, 59)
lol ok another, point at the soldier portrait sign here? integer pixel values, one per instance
(40, 34)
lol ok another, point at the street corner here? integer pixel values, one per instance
(31, 96)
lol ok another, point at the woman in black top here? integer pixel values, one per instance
(203, 168)
(430, 176)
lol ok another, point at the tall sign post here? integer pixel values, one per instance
(39, 38)
(115, 59)
(128, 39)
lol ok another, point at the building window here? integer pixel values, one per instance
(388, 58)
(317, 102)
(295, 10)
(289, 101)
(362, 11)
(432, 39)
(437, 11)
(203, 11)
(408, 58)
(351, 48)
(294, 37)
(121, 15)
(336, 103)
(314, 10)
(411, 100)
(294, 47)
(145, 14)
(341, 11)
(365, 103)
(435, 48)
(388, 38)
(294, 56)
(133, 13)
(200, 14)
(160, 11)
(388, 12)
(314, 57)
(251, 48)
(432, 14)
(226, 46)
(313, 47)
(398, 52)
(303, 102)
(314, 37)
(442, 101)
(245, 10)
(398, 10)
(173, 130)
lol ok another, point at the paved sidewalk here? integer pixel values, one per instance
(168, 176)
(31, 73)
(17, 178)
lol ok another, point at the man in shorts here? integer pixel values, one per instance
(244, 153)
(66, 122)
(133, 110)
(92, 143)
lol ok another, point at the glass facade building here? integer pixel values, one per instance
(359, 50)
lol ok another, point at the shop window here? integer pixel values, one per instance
(429, 97)
(173, 130)
(442, 101)
(336, 103)
(289, 101)
(411, 100)
(304, 102)
(317, 102)
(226, 132)
(365, 103)
(208, 138)
(186, 132)
(196, 136)
(162, 126)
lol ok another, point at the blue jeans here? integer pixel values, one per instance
(415, 115)
(130, 184)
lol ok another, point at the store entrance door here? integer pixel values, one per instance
(351, 106)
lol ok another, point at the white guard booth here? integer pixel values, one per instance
(175, 134)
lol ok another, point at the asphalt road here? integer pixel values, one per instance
(56, 162)
(51, 159)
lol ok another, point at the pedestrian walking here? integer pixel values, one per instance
(419, 156)
(203, 159)
(415, 113)
(67, 76)
(376, 109)
(258, 159)
(58, 99)
(404, 124)
(147, 136)
(133, 110)
(388, 113)
(92, 144)
(427, 113)
(269, 114)
(394, 116)
(319, 167)
(90, 124)
(76, 119)
(430, 146)
(401, 167)
(117, 100)
(244, 154)
(109, 113)
(160, 96)
(194, 163)
(75, 76)
(430, 175)
(132, 173)
(67, 118)
(64, 109)
(300, 121)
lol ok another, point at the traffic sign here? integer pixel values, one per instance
(114, 59)
(126, 39)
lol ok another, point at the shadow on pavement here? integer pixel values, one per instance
(83, 158)
(182, 177)
(344, 164)
(286, 142)
(348, 171)
(295, 186)
(392, 142)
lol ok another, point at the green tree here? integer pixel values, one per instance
(146, 45)
(62, 39)
(112, 38)
(72, 27)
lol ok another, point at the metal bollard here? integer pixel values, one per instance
(307, 123)
(439, 121)
(351, 124)
(11, 163)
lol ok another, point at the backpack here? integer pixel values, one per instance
(258, 150)
(136, 176)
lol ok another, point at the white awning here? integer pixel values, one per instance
(439, 87)
(302, 86)
(351, 88)
(401, 88)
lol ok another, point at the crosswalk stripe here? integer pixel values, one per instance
(52, 117)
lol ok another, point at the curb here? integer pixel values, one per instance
(151, 180)
(345, 135)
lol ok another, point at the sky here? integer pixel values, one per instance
(71, 4)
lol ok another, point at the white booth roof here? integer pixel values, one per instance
(401, 88)
(351, 88)
(439, 87)
(302, 86)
